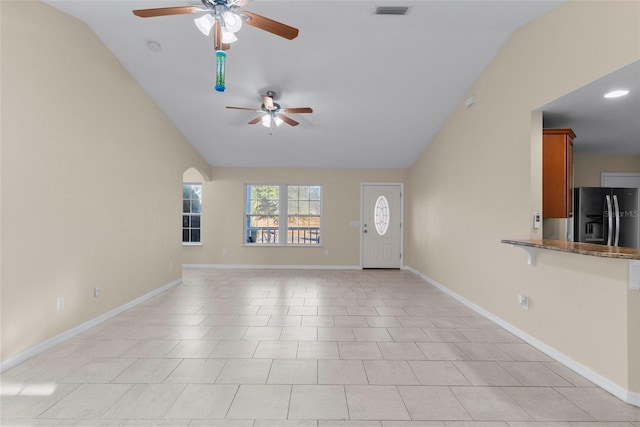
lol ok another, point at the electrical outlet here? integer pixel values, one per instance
(171, 265)
(96, 291)
(60, 303)
(225, 251)
(537, 220)
(326, 252)
(634, 275)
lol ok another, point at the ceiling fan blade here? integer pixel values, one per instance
(270, 25)
(268, 102)
(256, 120)
(242, 108)
(164, 11)
(288, 120)
(298, 110)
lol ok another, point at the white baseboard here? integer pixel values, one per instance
(28, 354)
(273, 267)
(599, 380)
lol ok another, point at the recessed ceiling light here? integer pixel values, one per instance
(616, 93)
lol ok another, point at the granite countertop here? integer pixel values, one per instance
(579, 248)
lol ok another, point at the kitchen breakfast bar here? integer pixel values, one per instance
(602, 251)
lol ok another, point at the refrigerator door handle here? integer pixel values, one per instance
(609, 219)
(617, 212)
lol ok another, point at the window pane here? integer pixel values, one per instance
(303, 230)
(192, 191)
(292, 192)
(195, 221)
(185, 221)
(381, 215)
(304, 208)
(185, 235)
(314, 193)
(266, 235)
(263, 199)
(304, 193)
(186, 206)
(273, 221)
(197, 191)
(293, 207)
(195, 235)
(195, 206)
(314, 208)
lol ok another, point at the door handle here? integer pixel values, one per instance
(617, 212)
(609, 220)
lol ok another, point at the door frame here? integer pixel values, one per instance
(395, 184)
(605, 175)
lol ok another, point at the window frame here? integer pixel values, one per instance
(283, 217)
(190, 214)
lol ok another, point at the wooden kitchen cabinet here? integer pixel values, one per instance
(557, 173)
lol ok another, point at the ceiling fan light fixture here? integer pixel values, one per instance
(266, 120)
(228, 37)
(205, 23)
(232, 21)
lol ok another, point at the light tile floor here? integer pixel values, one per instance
(270, 348)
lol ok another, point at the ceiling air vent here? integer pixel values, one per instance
(391, 10)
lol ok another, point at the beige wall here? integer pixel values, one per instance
(474, 185)
(91, 174)
(91, 179)
(223, 216)
(588, 167)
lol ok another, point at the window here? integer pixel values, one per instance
(303, 215)
(283, 214)
(191, 211)
(381, 215)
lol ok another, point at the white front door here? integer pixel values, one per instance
(381, 226)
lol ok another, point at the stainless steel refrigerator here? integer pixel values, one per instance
(607, 216)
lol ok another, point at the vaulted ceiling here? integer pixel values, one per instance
(380, 86)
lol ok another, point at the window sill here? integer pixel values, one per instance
(191, 244)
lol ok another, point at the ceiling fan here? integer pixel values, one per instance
(225, 18)
(272, 113)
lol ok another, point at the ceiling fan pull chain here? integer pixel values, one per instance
(220, 62)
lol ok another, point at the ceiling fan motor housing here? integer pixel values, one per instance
(210, 4)
(276, 108)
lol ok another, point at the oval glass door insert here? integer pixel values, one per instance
(381, 215)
